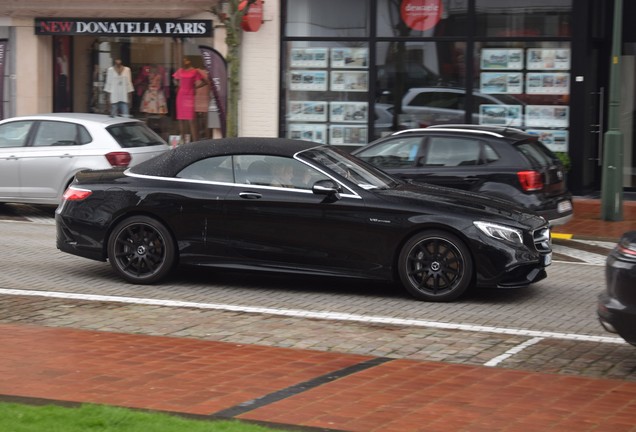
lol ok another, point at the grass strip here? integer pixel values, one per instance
(100, 418)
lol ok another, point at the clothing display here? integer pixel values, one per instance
(202, 96)
(153, 100)
(118, 84)
(186, 93)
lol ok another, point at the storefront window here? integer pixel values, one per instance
(421, 63)
(327, 92)
(419, 84)
(532, 18)
(422, 18)
(525, 85)
(152, 62)
(327, 18)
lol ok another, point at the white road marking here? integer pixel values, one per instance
(42, 220)
(333, 316)
(577, 263)
(512, 351)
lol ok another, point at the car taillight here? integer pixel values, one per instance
(119, 159)
(626, 250)
(76, 194)
(530, 180)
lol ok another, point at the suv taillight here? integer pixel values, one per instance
(119, 159)
(530, 180)
(76, 194)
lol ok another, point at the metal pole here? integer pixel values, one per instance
(612, 179)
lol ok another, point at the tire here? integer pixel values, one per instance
(435, 266)
(141, 250)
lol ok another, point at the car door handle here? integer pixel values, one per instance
(250, 195)
(66, 155)
(471, 178)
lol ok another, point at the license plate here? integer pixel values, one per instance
(564, 206)
(547, 259)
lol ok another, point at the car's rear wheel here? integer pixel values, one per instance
(141, 250)
(435, 266)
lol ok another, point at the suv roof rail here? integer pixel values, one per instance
(477, 127)
(449, 128)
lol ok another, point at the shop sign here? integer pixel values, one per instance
(120, 27)
(253, 19)
(421, 15)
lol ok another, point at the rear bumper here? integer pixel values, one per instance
(560, 220)
(69, 241)
(556, 217)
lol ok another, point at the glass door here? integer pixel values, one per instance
(628, 114)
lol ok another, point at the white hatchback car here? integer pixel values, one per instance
(40, 154)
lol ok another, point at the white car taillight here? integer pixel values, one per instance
(119, 159)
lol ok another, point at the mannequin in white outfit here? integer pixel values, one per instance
(119, 87)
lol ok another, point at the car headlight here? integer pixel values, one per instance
(500, 232)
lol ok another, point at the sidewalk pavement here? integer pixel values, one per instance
(297, 389)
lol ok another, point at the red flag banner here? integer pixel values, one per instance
(217, 70)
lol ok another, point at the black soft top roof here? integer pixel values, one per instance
(170, 163)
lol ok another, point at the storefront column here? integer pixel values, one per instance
(33, 73)
(260, 70)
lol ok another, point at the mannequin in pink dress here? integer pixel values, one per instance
(188, 80)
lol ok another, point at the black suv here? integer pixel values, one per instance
(499, 161)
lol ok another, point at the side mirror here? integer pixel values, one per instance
(329, 188)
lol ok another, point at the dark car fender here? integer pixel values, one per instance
(420, 223)
(509, 193)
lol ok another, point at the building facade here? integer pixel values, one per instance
(346, 78)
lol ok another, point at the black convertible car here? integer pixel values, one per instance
(294, 206)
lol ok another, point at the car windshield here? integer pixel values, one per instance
(134, 134)
(350, 167)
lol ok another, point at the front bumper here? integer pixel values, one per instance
(617, 318)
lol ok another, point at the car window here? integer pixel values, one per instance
(56, 133)
(214, 169)
(134, 134)
(14, 134)
(449, 151)
(536, 153)
(275, 171)
(395, 153)
(437, 99)
(490, 155)
(350, 167)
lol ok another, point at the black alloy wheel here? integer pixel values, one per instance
(435, 266)
(141, 250)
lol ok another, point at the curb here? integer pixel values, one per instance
(561, 236)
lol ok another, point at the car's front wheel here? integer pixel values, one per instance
(435, 266)
(141, 250)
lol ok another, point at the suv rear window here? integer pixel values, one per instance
(136, 134)
(538, 154)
